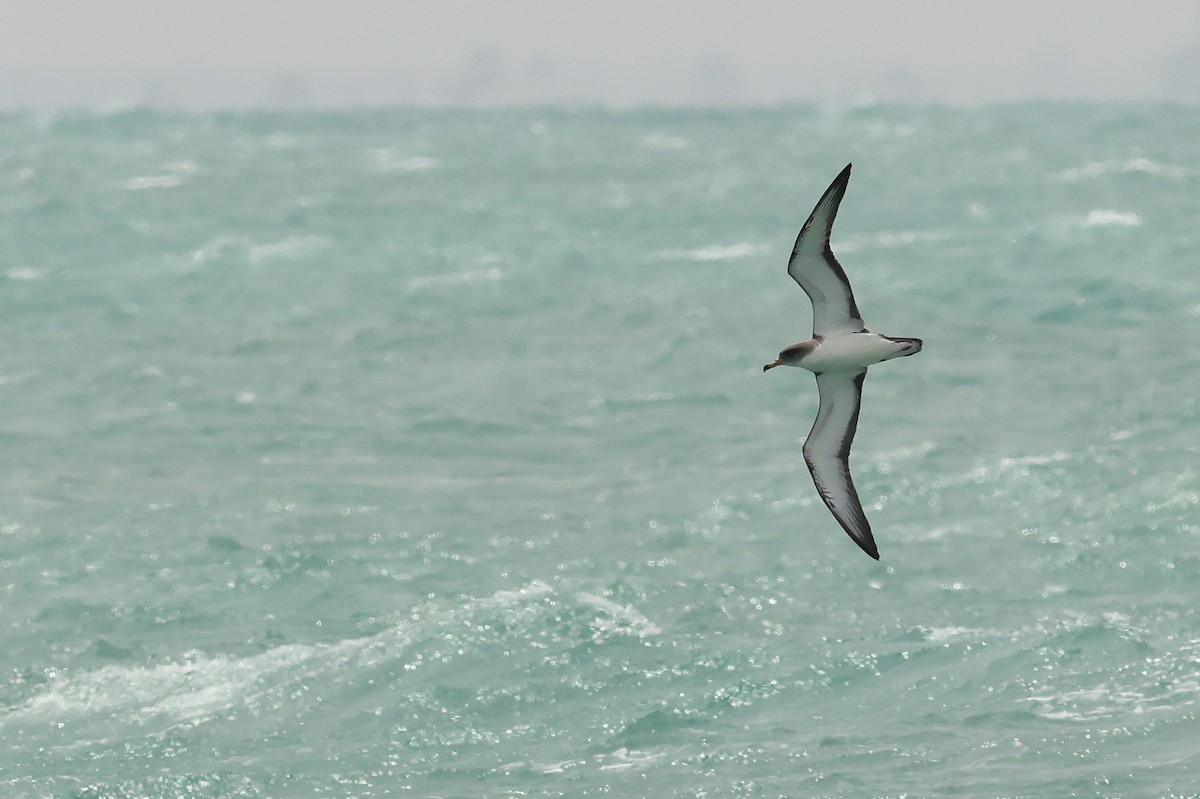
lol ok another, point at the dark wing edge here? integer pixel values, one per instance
(827, 206)
(850, 516)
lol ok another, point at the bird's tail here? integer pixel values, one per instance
(905, 346)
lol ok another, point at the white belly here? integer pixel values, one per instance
(851, 352)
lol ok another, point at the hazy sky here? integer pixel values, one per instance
(240, 53)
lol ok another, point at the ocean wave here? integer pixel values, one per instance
(196, 688)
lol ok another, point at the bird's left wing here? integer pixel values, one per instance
(827, 453)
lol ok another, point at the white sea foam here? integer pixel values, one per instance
(289, 249)
(152, 182)
(716, 252)
(177, 172)
(490, 275)
(617, 619)
(1147, 166)
(890, 240)
(953, 633)
(664, 141)
(1103, 217)
(385, 160)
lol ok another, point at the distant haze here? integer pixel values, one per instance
(271, 53)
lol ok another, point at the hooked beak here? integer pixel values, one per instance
(773, 364)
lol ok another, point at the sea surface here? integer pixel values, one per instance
(428, 453)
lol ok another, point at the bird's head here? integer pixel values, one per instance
(793, 355)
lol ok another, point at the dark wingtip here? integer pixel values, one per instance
(843, 178)
(869, 547)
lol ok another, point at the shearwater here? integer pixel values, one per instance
(839, 352)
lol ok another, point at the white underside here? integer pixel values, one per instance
(851, 352)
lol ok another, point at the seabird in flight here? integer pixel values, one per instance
(839, 352)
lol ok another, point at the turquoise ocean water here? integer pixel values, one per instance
(428, 453)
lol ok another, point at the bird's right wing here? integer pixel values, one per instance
(813, 266)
